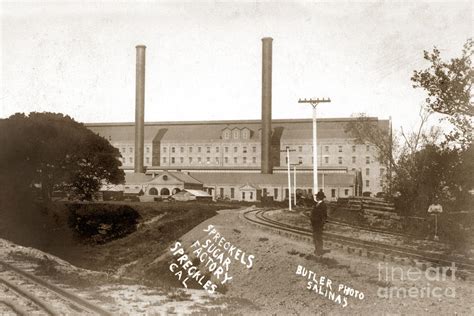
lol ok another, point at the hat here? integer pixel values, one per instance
(320, 195)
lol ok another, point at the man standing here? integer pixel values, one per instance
(318, 218)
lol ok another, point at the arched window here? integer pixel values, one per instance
(153, 191)
(165, 191)
(176, 190)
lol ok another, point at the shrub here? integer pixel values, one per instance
(100, 223)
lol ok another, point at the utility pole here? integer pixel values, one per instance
(289, 173)
(294, 184)
(322, 178)
(294, 181)
(314, 103)
(390, 161)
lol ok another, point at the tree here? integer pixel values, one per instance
(415, 140)
(365, 129)
(448, 85)
(56, 152)
(389, 147)
(435, 174)
(368, 130)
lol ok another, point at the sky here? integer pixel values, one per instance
(203, 58)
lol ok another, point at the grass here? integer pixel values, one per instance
(179, 296)
(379, 283)
(293, 252)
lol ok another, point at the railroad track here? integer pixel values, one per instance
(369, 248)
(369, 229)
(26, 294)
(366, 228)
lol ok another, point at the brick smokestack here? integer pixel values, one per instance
(140, 109)
(266, 139)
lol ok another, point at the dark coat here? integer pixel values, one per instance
(319, 214)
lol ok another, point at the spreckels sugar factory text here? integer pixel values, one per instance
(215, 255)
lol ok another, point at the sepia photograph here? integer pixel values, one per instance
(236, 157)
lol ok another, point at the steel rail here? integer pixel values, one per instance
(30, 297)
(14, 308)
(74, 300)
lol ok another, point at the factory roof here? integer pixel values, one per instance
(123, 133)
(184, 177)
(211, 131)
(278, 179)
(136, 178)
(140, 178)
(198, 193)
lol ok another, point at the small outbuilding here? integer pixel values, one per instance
(165, 184)
(192, 195)
(250, 193)
(132, 193)
(111, 192)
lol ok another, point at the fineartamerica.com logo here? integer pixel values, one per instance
(420, 286)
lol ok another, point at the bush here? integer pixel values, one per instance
(100, 223)
(380, 195)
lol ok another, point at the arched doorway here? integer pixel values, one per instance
(176, 190)
(153, 191)
(165, 191)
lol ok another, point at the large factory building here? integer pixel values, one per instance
(229, 151)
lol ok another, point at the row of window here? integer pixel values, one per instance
(226, 149)
(232, 193)
(340, 148)
(130, 160)
(340, 160)
(226, 160)
(236, 134)
(209, 149)
(216, 160)
(244, 160)
(381, 171)
(130, 150)
(275, 192)
(367, 183)
(333, 192)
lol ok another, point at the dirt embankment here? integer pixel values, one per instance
(54, 229)
(123, 283)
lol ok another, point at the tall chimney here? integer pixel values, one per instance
(140, 109)
(266, 142)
